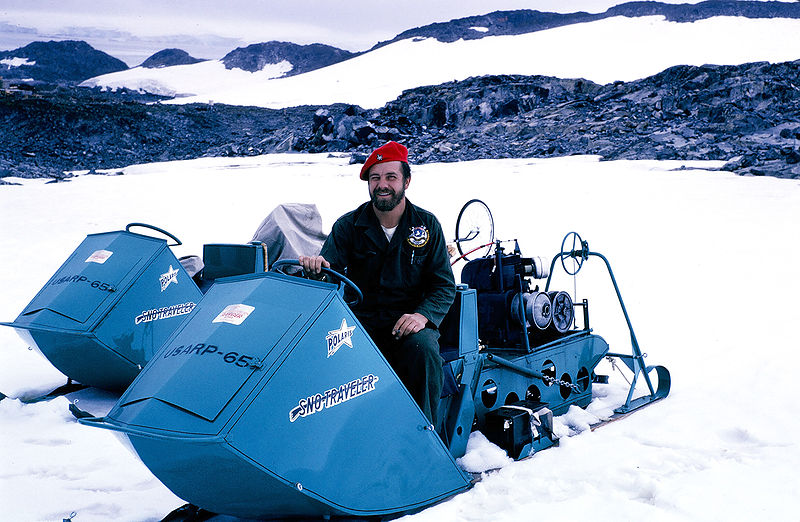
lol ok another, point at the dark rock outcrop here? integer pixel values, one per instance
(48, 133)
(67, 62)
(707, 9)
(304, 58)
(168, 58)
(683, 113)
(746, 115)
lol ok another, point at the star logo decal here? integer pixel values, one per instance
(170, 277)
(336, 338)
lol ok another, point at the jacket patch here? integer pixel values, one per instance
(418, 237)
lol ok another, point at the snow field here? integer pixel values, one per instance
(703, 262)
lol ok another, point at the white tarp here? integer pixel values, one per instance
(291, 230)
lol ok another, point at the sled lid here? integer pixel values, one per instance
(237, 330)
(90, 279)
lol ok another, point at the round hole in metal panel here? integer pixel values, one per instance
(533, 394)
(511, 398)
(565, 389)
(549, 370)
(489, 393)
(583, 379)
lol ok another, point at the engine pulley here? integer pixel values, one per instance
(536, 307)
(536, 267)
(563, 311)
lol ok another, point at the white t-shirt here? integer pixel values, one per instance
(389, 232)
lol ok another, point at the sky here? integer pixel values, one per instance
(134, 30)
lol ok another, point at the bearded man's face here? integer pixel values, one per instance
(387, 187)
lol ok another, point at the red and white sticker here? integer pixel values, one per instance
(99, 256)
(234, 314)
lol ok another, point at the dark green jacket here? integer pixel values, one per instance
(410, 274)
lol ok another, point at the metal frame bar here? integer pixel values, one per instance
(634, 361)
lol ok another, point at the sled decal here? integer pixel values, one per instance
(99, 285)
(235, 358)
(318, 402)
(336, 338)
(234, 314)
(170, 277)
(164, 312)
(99, 256)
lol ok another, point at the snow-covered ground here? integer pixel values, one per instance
(704, 261)
(603, 51)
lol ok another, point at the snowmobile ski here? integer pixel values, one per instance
(62, 390)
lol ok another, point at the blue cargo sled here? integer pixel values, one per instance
(111, 305)
(109, 308)
(271, 400)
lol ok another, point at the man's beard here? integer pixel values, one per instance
(385, 205)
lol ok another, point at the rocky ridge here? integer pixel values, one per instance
(747, 115)
(72, 62)
(66, 62)
(523, 21)
(168, 58)
(304, 58)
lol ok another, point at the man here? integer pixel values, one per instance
(395, 252)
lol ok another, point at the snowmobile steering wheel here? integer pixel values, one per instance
(278, 266)
(474, 229)
(577, 256)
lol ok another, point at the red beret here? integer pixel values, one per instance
(391, 151)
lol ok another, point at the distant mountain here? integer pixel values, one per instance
(304, 58)
(527, 21)
(67, 61)
(168, 58)
(708, 9)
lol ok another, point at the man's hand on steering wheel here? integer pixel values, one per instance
(409, 324)
(313, 264)
(318, 268)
